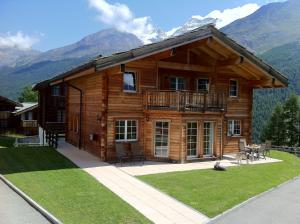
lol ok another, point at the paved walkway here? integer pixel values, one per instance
(281, 205)
(153, 204)
(150, 167)
(15, 210)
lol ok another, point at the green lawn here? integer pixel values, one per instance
(59, 186)
(6, 141)
(213, 192)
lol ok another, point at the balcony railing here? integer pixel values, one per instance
(29, 123)
(4, 114)
(58, 101)
(184, 101)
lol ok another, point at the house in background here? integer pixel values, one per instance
(184, 98)
(25, 118)
(7, 121)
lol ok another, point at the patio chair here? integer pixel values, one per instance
(268, 147)
(243, 153)
(122, 155)
(136, 152)
(262, 152)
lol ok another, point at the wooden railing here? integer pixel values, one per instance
(184, 101)
(58, 101)
(55, 127)
(4, 114)
(29, 123)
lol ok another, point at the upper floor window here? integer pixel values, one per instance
(203, 85)
(129, 82)
(233, 88)
(177, 83)
(126, 130)
(55, 91)
(234, 128)
(61, 116)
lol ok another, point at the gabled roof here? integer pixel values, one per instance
(102, 63)
(25, 107)
(9, 101)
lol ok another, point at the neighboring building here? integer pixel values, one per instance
(26, 119)
(183, 98)
(7, 121)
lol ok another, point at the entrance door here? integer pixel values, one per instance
(192, 139)
(208, 138)
(161, 137)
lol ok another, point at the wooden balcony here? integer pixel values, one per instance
(4, 115)
(184, 101)
(29, 123)
(58, 101)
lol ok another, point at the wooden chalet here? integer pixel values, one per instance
(7, 121)
(26, 119)
(184, 98)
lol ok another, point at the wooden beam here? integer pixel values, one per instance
(230, 61)
(211, 53)
(186, 67)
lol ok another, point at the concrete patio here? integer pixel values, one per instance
(151, 167)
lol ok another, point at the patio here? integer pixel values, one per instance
(152, 167)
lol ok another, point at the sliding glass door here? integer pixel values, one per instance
(161, 139)
(192, 139)
(208, 138)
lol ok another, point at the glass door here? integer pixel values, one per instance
(192, 139)
(208, 138)
(161, 139)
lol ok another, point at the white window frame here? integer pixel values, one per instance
(237, 88)
(231, 125)
(197, 87)
(176, 83)
(154, 138)
(135, 82)
(187, 141)
(125, 133)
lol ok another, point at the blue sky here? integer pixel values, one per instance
(47, 24)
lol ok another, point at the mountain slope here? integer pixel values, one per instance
(10, 55)
(270, 26)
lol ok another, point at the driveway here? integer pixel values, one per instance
(281, 205)
(15, 210)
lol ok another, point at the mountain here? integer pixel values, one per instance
(10, 55)
(270, 26)
(29, 70)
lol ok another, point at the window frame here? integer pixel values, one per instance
(197, 85)
(231, 128)
(135, 82)
(55, 89)
(126, 130)
(176, 83)
(237, 88)
(154, 138)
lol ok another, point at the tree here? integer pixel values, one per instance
(291, 112)
(28, 95)
(275, 129)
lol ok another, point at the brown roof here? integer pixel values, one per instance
(14, 103)
(102, 63)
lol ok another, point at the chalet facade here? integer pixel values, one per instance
(7, 121)
(185, 98)
(25, 118)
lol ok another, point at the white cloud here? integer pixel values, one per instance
(19, 40)
(120, 17)
(229, 15)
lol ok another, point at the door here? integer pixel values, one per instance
(161, 139)
(192, 139)
(208, 139)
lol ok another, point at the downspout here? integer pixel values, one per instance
(80, 111)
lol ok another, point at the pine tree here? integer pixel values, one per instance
(28, 95)
(291, 113)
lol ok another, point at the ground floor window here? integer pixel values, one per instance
(192, 139)
(234, 128)
(126, 130)
(161, 138)
(208, 138)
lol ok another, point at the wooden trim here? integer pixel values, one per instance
(185, 67)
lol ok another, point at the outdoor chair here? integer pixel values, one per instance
(136, 152)
(243, 153)
(261, 151)
(268, 147)
(122, 155)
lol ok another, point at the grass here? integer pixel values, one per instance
(6, 141)
(66, 191)
(213, 192)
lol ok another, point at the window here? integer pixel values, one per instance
(55, 91)
(203, 85)
(161, 139)
(177, 83)
(126, 130)
(61, 116)
(129, 82)
(234, 128)
(192, 139)
(233, 88)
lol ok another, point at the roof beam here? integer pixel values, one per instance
(186, 67)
